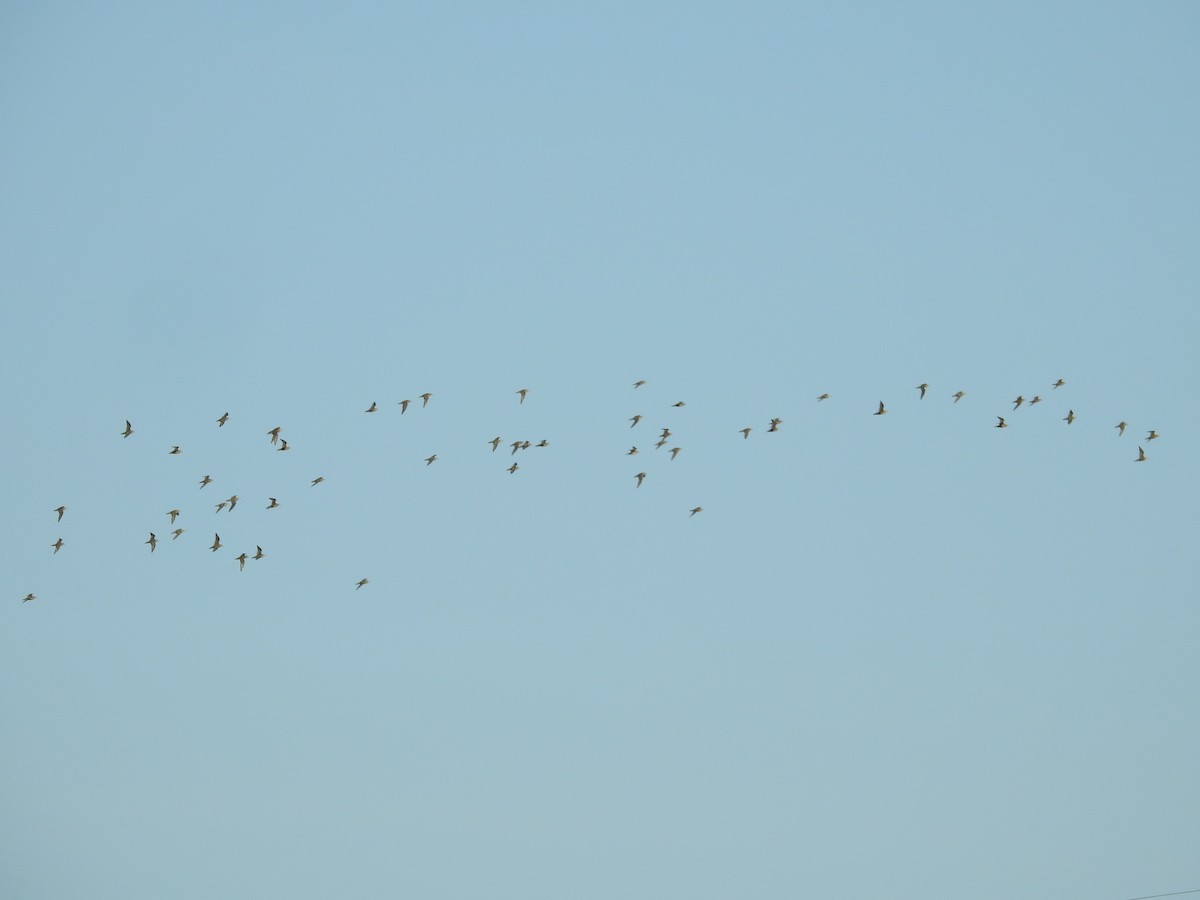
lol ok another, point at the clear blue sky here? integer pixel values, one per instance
(904, 656)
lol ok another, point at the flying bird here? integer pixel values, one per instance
(153, 542)
(1121, 426)
(232, 501)
(273, 504)
(746, 433)
(1036, 400)
(60, 511)
(429, 459)
(371, 408)
(1018, 401)
(241, 562)
(28, 597)
(258, 552)
(176, 533)
(634, 420)
(1069, 417)
(174, 451)
(360, 584)
(1002, 423)
(317, 480)
(216, 544)
(404, 406)
(922, 388)
(173, 513)
(660, 443)
(680, 403)
(822, 397)
(696, 510)
(1058, 384)
(881, 411)
(638, 384)
(516, 445)
(513, 468)
(207, 479)
(523, 392)
(1141, 455)
(274, 433)
(775, 423)
(284, 445)
(57, 545)
(425, 399)
(128, 429)
(958, 395)
(640, 476)
(632, 451)
(495, 442)
(525, 445)
(221, 421)
(542, 443)
(1152, 435)
(222, 505)
(675, 451)
(666, 432)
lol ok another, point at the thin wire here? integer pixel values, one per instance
(1172, 894)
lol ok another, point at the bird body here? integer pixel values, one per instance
(958, 395)
(922, 388)
(404, 406)
(242, 562)
(1141, 455)
(258, 552)
(695, 510)
(638, 384)
(1153, 435)
(1058, 384)
(746, 433)
(274, 433)
(522, 392)
(216, 544)
(174, 451)
(176, 533)
(1069, 417)
(675, 451)
(57, 545)
(153, 542)
(775, 423)
(222, 420)
(206, 480)
(371, 408)
(881, 411)
(640, 476)
(513, 468)
(1121, 426)
(495, 442)
(429, 460)
(1018, 402)
(273, 504)
(1002, 423)
(128, 429)
(425, 399)
(28, 597)
(317, 480)
(634, 420)
(822, 397)
(173, 513)
(360, 583)
(60, 511)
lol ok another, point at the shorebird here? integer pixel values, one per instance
(317, 480)
(638, 384)
(666, 432)
(60, 511)
(153, 542)
(680, 403)
(660, 443)
(258, 552)
(1058, 384)
(640, 476)
(176, 533)
(1141, 455)
(28, 597)
(881, 411)
(512, 468)
(675, 451)
(222, 505)
(1002, 424)
(542, 443)
(523, 392)
(775, 423)
(404, 406)
(632, 451)
(822, 397)
(1036, 400)
(221, 421)
(241, 562)
(746, 433)
(525, 445)
(696, 510)
(284, 443)
(425, 399)
(371, 408)
(273, 504)
(1152, 435)
(430, 459)
(128, 429)
(516, 445)
(232, 501)
(922, 388)
(57, 545)
(173, 513)
(1069, 417)
(274, 433)
(1018, 401)
(360, 584)
(216, 544)
(174, 451)
(495, 442)
(958, 395)
(634, 420)
(207, 479)
(1121, 426)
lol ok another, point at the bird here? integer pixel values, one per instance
(430, 459)
(523, 392)
(632, 451)
(284, 446)
(57, 545)
(371, 408)
(922, 388)
(1020, 399)
(258, 552)
(525, 445)
(512, 468)
(222, 420)
(675, 451)
(638, 384)
(666, 432)
(1069, 417)
(516, 445)
(273, 504)
(1152, 435)
(128, 429)
(1002, 423)
(775, 423)
(404, 406)
(495, 442)
(1058, 384)
(241, 562)
(317, 480)
(822, 397)
(881, 411)
(222, 505)
(958, 395)
(360, 584)
(1121, 426)
(232, 501)
(216, 544)
(207, 479)
(176, 533)
(746, 433)
(640, 476)
(634, 420)
(680, 403)
(425, 399)
(174, 451)
(661, 442)
(173, 513)
(153, 542)
(1141, 455)
(695, 510)
(542, 443)
(60, 511)
(1035, 401)
(274, 433)
(28, 597)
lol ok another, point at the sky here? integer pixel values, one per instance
(903, 656)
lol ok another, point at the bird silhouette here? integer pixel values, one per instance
(317, 480)
(958, 395)
(634, 420)
(128, 429)
(283, 445)
(1153, 435)
(746, 433)
(675, 451)
(361, 583)
(206, 480)
(274, 433)
(429, 460)
(216, 544)
(57, 545)
(882, 411)
(273, 504)
(404, 406)
(174, 451)
(1018, 402)
(28, 597)
(640, 476)
(1002, 423)
(775, 423)
(495, 442)
(173, 513)
(222, 420)
(60, 511)
(822, 397)
(513, 468)
(638, 384)
(425, 399)
(258, 552)
(922, 388)
(241, 562)
(1121, 426)
(1069, 417)
(1141, 455)
(153, 542)
(372, 407)
(1058, 384)
(695, 510)
(176, 533)
(1035, 401)
(523, 392)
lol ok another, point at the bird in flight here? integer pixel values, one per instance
(1141, 455)
(1058, 384)
(958, 395)
(1035, 401)
(746, 433)
(1121, 426)
(241, 562)
(881, 411)
(222, 505)
(1152, 435)
(57, 545)
(28, 597)
(258, 552)
(317, 480)
(425, 399)
(775, 423)
(1002, 423)
(274, 433)
(430, 459)
(216, 544)
(542, 443)
(513, 468)
(371, 408)
(273, 504)
(523, 392)
(638, 384)
(632, 451)
(207, 479)
(128, 429)
(922, 388)
(660, 443)
(1069, 417)
(640, 476)
(1020, 399)
(173, 513)
(283, 445)
(634, 420)
(404, 406)
(666, 433)
(822, 397)
(175, 451)
(176, 533)
(680, 403)
(360, 584)
(60, 511)
(695, 510)
(675, 451)
(516, 445)
(232, 501)
(495, 442)
(221, 421)
(153, 542)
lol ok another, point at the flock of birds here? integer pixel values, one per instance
(281, 445)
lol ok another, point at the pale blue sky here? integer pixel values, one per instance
(906, 656)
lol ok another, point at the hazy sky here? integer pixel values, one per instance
(903, 656)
